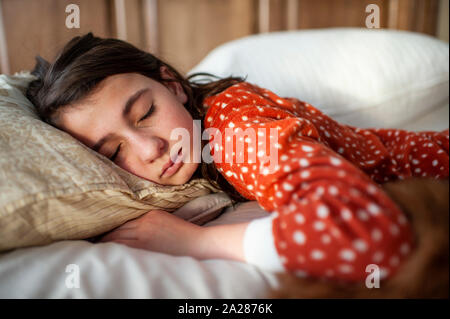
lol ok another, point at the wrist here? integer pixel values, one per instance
(222, 242)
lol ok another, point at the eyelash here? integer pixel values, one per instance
(149, 112)
(113, 157)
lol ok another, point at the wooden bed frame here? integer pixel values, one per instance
(183, 31)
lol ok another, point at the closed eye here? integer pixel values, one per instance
(114, 156)
(149, 112)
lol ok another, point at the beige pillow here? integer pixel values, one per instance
(52, 187)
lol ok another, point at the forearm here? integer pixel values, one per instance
(222, 242)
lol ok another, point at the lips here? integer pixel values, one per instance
(170, 163)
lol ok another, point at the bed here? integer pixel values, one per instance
(362, 77)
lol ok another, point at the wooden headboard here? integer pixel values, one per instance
(182, 32)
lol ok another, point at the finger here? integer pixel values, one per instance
(131, 223)
(127, 242)
(126, 234)
(127, 225)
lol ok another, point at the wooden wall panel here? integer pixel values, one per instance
(189, 29)
(427, 17)
(415, 15)
(277, 17)
(38, 27)
(442, 28)
(133, 15)
(183, 32)
(344, 13)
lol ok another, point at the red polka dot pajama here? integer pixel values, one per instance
(329, 217)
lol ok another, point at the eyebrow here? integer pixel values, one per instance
(126, 110)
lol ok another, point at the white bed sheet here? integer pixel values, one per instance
(109, 270)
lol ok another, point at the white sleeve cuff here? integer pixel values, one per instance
(259, 245)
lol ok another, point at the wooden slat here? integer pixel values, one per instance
(243, 18)
(120, 19)
(393, 14)
(190, 29)
(292, 14)
(38, 27)
(277, 18)
(442, 31)
(151, 26)
(264, 16)
(184, 31)
(4, 59)
(427, 16)
(332, 13)
(414, 15)
(135, 23)
(406, 13)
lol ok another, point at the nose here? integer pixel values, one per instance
(148, 148)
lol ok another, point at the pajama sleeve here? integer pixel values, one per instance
(328, 217)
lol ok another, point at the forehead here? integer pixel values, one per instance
(87, 120)
(109, 93)
(117, 85)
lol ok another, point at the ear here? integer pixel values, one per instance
(174, 87)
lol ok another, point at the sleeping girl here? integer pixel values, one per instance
(329, 217)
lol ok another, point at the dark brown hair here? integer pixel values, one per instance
(87, 60)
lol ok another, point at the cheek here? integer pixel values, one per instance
(129, 166)
(181, 119)
(149, 173)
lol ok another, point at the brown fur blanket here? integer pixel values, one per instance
(425, 274)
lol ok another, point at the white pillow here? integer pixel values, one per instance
(361, 77)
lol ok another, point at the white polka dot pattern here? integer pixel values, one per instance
(332, 218)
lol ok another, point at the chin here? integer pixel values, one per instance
(183, 176)
(188, 172)
(175, 182)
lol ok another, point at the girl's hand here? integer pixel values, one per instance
(158, 231)
(163, 232)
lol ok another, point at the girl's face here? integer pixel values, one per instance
(129, 119)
